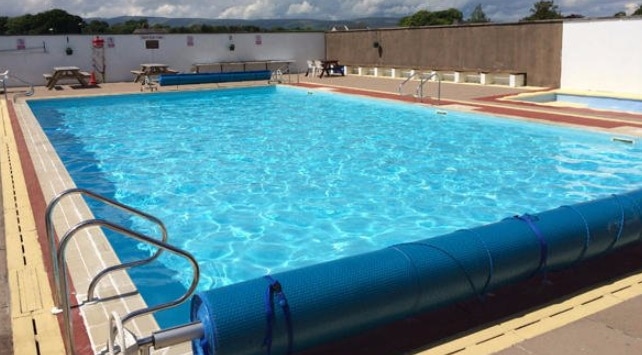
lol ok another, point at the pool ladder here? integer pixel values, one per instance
(278, 75)
(117, 342)
(423, 79)
(4, 77)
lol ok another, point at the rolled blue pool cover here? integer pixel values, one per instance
(209, 78)
(299, 309)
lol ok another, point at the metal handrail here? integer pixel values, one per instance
(5, 76)
(400, 88)
(62, 273)
(52, 240)
(277, 74)
(419, 92)
(420, 88)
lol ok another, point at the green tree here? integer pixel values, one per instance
(620, 14)
(427, 18)
(60, 21)
(129, 26)
(3, 24)
(20, 25)
(478, 15)
(638, 12)
(96, 27)
(161, 28)
(543, 10)
(52, 21)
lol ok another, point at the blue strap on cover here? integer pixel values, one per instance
(530, 220)
(275, 290)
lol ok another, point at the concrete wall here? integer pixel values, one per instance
(531, 48)
(124, 53)
(603, 55)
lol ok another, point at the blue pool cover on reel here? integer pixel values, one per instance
(299, 309)
(209, 78)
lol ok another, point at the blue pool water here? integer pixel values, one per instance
(593, 102)
(259, 180)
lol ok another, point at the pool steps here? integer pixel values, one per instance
(423, 79)
(117, 332)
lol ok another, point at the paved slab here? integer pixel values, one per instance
(6, 343)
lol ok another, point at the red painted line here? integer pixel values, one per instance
(573, 116)
(38, 206)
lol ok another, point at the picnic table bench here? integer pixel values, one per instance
(68, 72)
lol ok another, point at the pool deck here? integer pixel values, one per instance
(591, 309)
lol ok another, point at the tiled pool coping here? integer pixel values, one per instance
(34, 150)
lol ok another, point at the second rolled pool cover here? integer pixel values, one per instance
(299, 309)
(209, 78)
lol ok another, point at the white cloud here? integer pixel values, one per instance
(257, 9)
(631, 8)
(305, 8)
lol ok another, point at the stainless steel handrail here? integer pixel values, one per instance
(400, 88)
(62, 272)
(424, 79)
(5, 76)
(277, 75)
(52, 239)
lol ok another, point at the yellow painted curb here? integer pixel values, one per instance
(35, 329)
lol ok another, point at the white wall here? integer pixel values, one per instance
(602, 55)
(41, 53)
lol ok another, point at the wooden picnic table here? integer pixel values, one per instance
(149, 69)
(328, 66)
(68, 72)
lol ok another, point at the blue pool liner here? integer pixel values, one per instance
(209, 78)
(299, 309)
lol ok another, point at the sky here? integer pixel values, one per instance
(496, 10)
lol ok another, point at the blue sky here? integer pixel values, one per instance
(497, 10)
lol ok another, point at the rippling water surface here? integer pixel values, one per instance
(260, 180)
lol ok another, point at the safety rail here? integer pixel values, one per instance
(4, 76)
(400, 88)
(52, 240)
(133, 314)
(424, 79)
(419, 91)
(58, 253)
(278, 74)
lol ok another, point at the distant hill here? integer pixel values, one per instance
(308, 24)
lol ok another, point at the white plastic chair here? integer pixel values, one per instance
(311, 69)
(4, 76)
(318, 67)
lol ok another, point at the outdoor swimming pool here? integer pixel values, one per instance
(259, 180)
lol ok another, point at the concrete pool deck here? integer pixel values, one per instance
(592, 317)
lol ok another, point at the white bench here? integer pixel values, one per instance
(510, 79)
